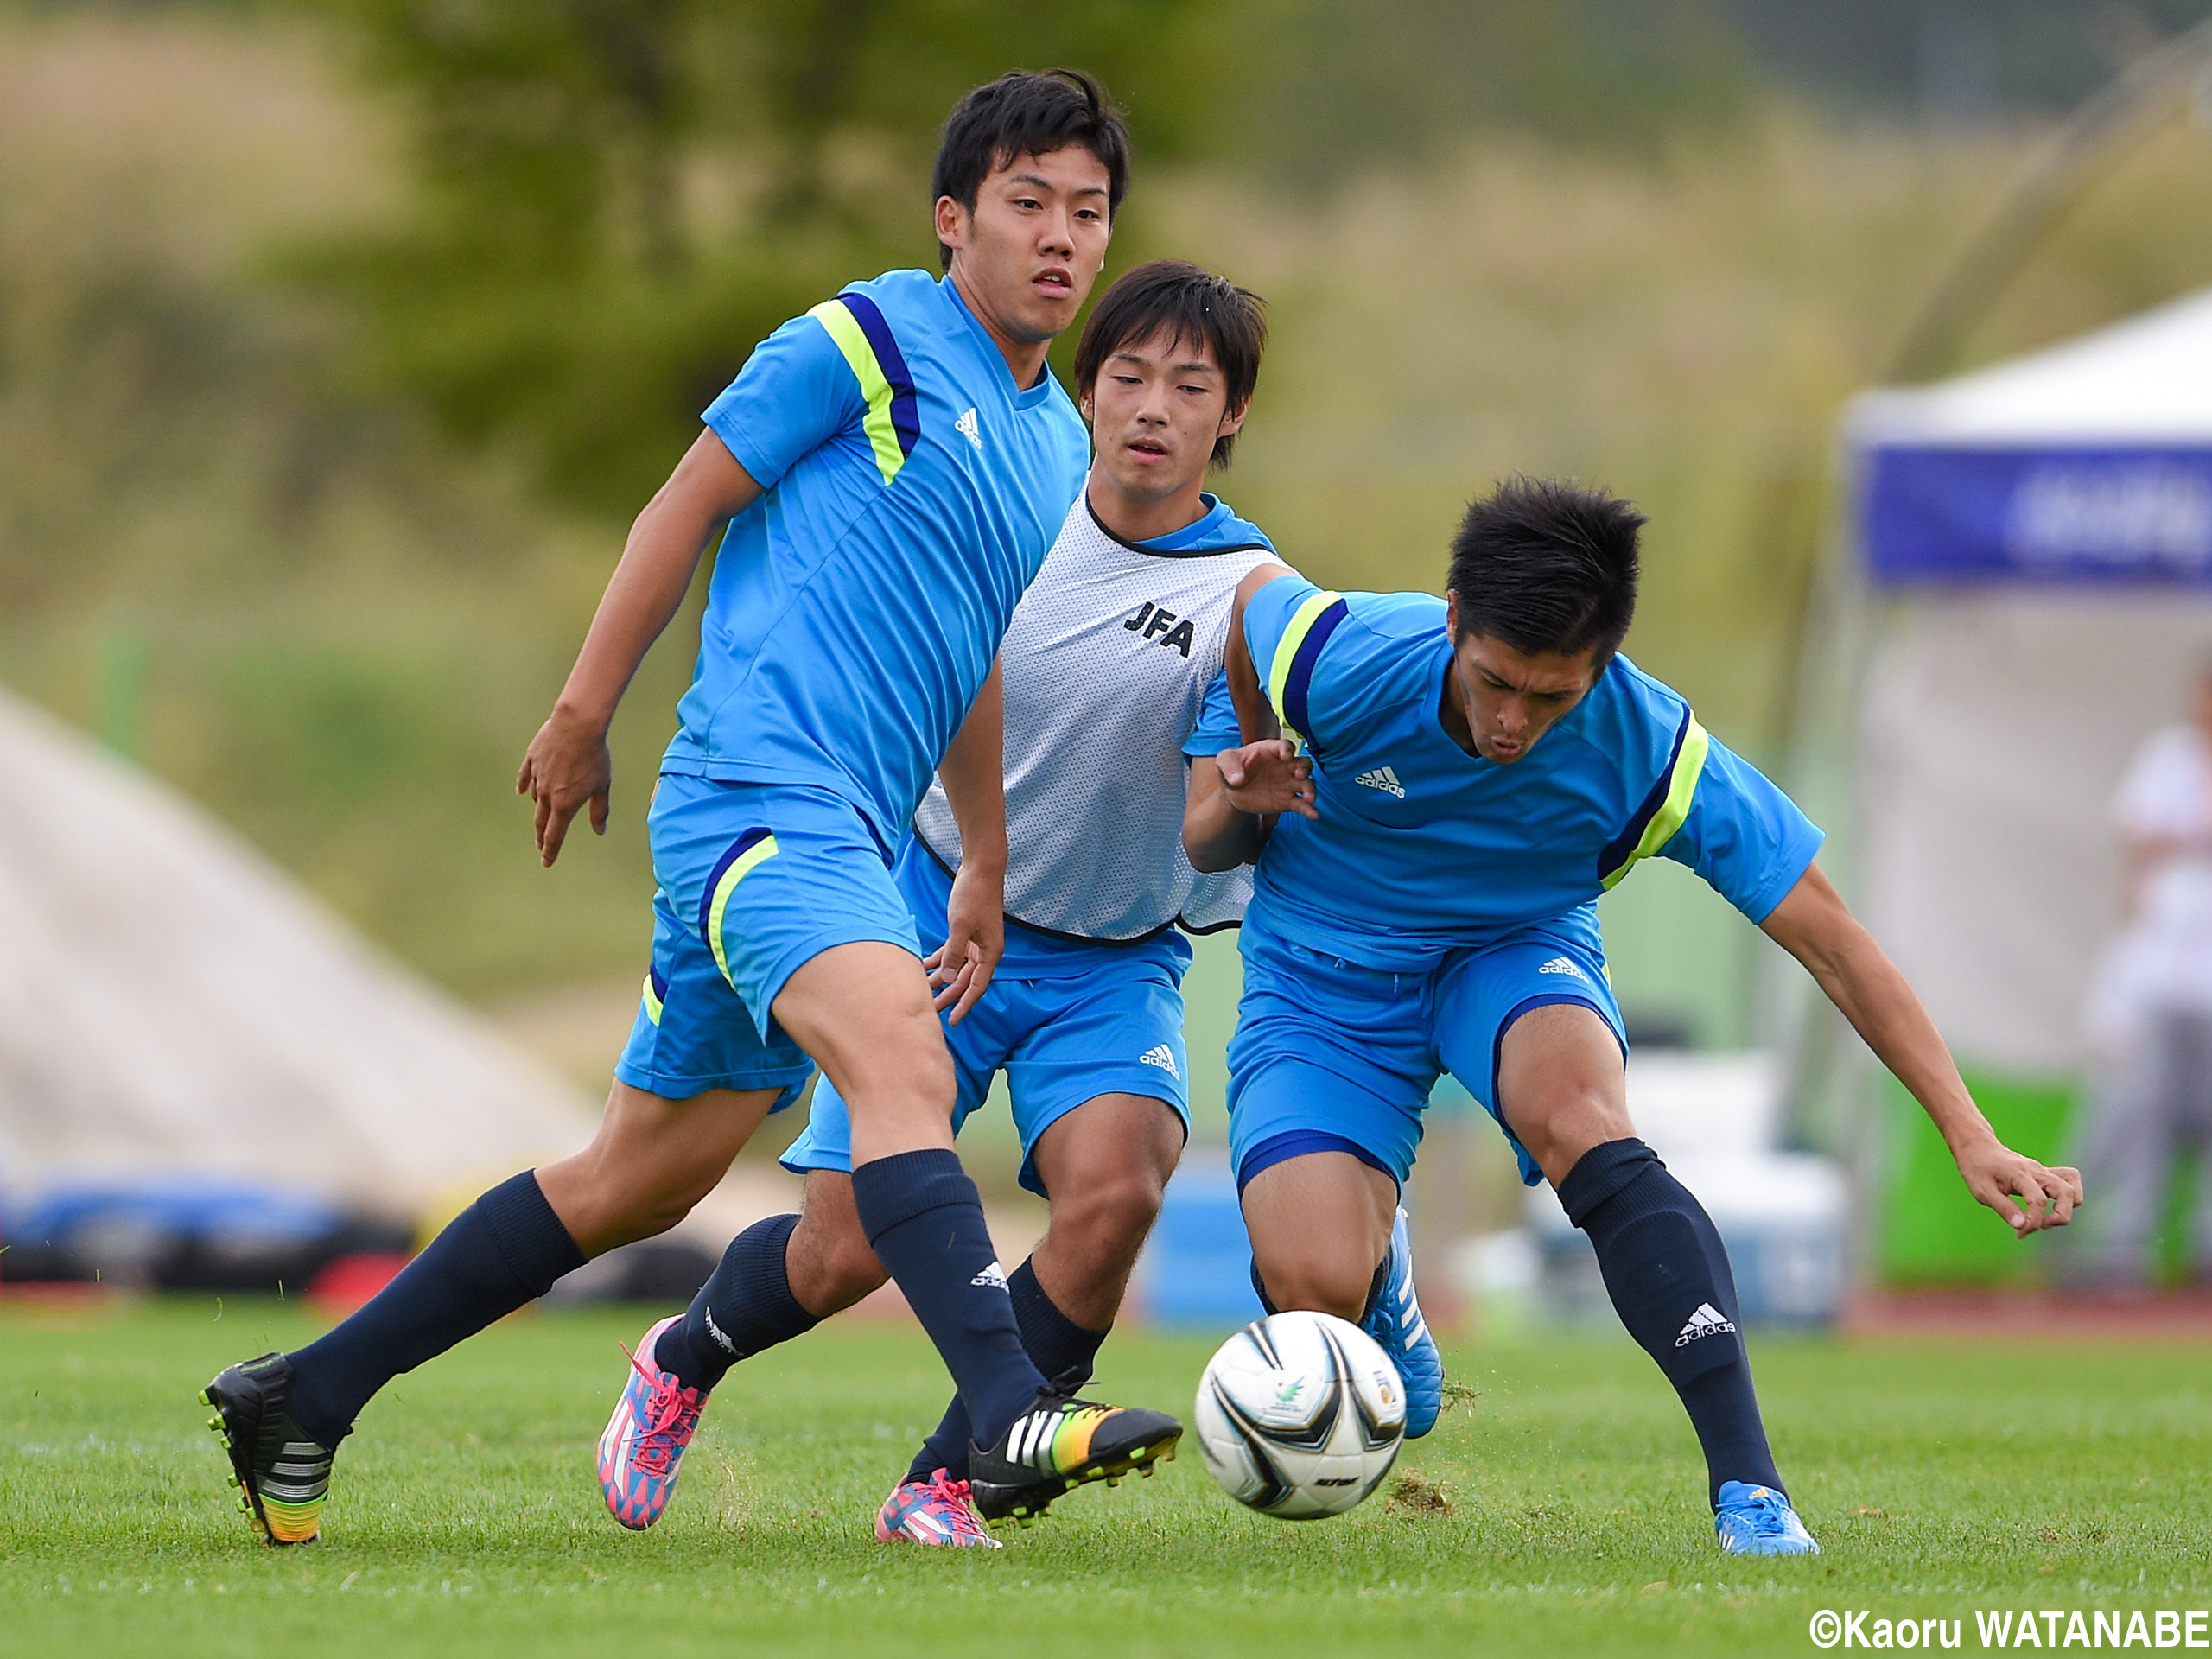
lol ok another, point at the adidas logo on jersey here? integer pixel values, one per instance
(1384, 780)
(1157, 622)
(1705, 1322)
(968, 428)
(994, 1276)
(1163, 1057)
(1561, 965)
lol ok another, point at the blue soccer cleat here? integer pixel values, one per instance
(1758, 1521)
(1396, 1322)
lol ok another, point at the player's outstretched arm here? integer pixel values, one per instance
(1814, 925)
(973, 775)
(568, 763)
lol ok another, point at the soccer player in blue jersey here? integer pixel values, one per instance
(1458, 780)
(1113, 677)
(892, 469)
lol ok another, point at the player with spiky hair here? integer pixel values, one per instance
(892, 469)
(1112, 674)
(1460, 779)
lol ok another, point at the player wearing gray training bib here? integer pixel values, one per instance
(1107, 665)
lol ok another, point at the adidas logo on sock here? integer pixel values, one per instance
(994, 1276)
(1561, 965)
(1161, 1055)
(1384, 780)
(721, 1336)
(1705, 1322)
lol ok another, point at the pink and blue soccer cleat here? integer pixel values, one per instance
(644, 1444)
(932, 1511)
(1758, 1521)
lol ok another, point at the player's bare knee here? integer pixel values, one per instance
(651, 1215)
(904, 1066)
(845, 1267)
(830, 1262)
(644, 1202)
(1322, 1284)
(1565, 1121)
(606, 1203)
(842, 1277)
(1104, 1223)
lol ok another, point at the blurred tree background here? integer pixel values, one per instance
(338, 339)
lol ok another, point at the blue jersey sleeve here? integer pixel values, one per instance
(1216, 728)
(797, 391)
(1741, 833)
(1287, 627)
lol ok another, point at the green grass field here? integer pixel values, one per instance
(465, 1518)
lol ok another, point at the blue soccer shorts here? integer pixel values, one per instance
(1329, 1055)
(1116, 1029)
(754, 881)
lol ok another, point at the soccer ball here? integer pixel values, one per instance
(1300, 1416)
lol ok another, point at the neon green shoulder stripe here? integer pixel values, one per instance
(875, 386)
(1294, 635)
(1675, 811)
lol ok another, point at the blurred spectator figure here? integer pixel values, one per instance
(2151, 1012)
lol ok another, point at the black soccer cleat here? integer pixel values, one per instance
(1060, 1442)
(281, 1474)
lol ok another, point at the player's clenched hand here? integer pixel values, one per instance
(975, 918)
(1268, 778)
(567, 764)
(1996, 1175)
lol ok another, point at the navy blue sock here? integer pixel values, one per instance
(1667, 1274)
(505, 1249)
(926, 1225)
(745, 1306)
(1059, 1347)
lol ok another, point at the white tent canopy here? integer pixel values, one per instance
(2147, 380)
(2041, 534)
(172, 1004)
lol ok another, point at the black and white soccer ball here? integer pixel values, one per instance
(1300, 1416)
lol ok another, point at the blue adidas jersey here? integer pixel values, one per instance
(909, 491)
(1421, 847)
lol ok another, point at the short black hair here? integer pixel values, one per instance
(1547, 566)
(1026, 113)
(1178, 299)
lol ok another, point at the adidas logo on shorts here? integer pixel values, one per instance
(1384, 780)
(1163, 1057)
(1705, 1322)
(1561, 965)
